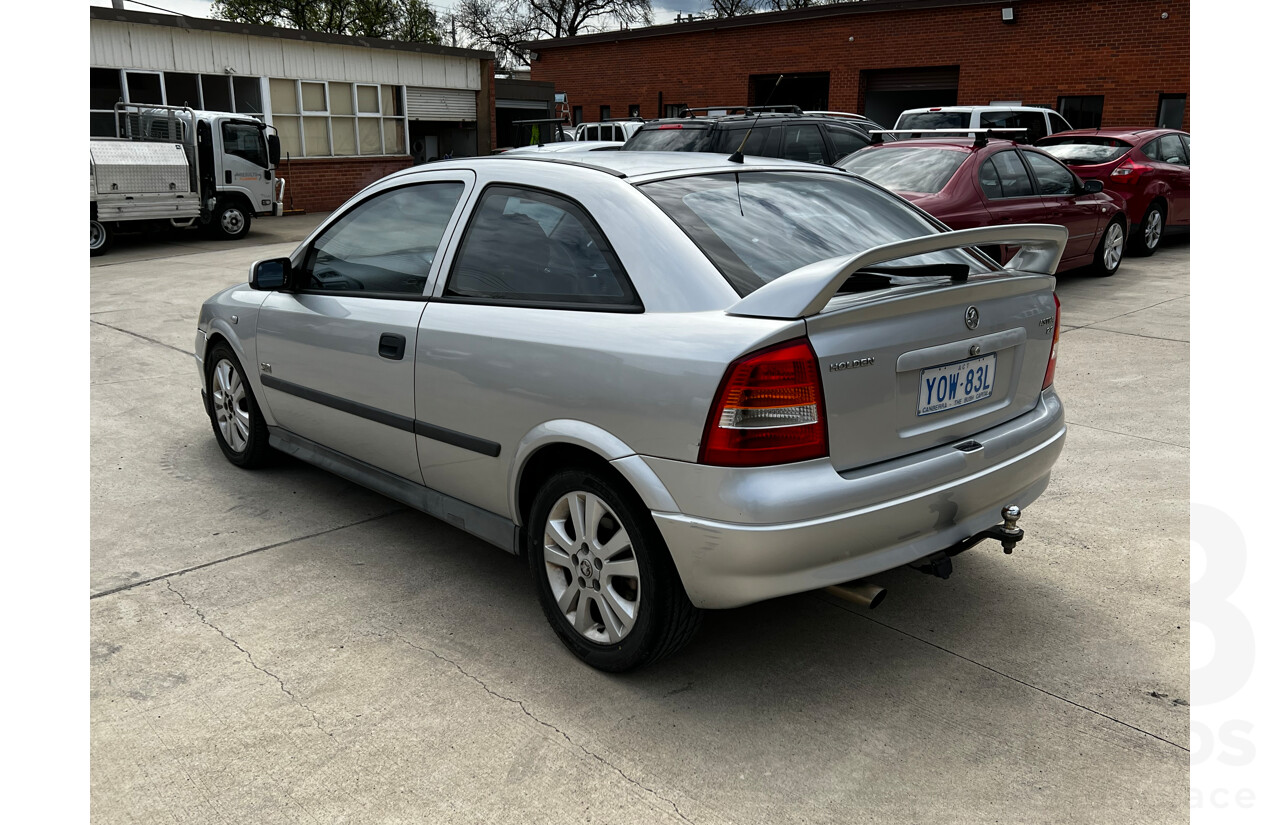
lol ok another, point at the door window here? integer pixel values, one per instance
(386, 244)
(846, 141)
(1051, 177)
(1032, 122)
(803, 142)
(244, 140)
(1186, 147)
(525, 246)
(1167, 149)
(1004, 176)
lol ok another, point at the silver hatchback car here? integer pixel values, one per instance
(670, 381)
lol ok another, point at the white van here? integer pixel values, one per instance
(1038, 122)
(608, 130)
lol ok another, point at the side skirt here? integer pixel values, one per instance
(493, 528)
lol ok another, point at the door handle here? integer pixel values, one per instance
(391, 346)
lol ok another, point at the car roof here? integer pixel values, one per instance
(977, 108)
(1133, 134)
(634, 165)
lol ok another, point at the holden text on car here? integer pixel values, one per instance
(671, 382)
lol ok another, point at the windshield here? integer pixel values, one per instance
(1078, 151)
(922, 169)
(758, 226)
(670, 138)
(933, 120)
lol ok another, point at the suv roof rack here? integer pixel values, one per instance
(853, 115)
(782, 109)
(979, 135)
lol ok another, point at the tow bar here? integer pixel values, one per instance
(1008, 534)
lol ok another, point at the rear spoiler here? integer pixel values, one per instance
(804, 292)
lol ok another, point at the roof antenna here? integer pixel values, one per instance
(736, 157)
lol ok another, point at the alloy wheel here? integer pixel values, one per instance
(592, 567)
(231, 406)
(1113, 246)
(1152, 229)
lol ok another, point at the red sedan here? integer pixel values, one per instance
(1148, 170)
(967, 183)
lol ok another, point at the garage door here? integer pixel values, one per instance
(912, 80)
(440, 104)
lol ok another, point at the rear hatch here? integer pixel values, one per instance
(902, 370)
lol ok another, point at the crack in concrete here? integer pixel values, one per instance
(519, 703)
(315, 718)
(144, 338)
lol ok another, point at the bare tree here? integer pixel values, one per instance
(504, 25)
(411, 20)
(733, 8)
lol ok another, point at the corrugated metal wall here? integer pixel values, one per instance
(440, 104)
(115, 45)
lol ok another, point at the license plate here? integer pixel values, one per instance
(954, 385)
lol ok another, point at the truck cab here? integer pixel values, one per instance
(176, 166)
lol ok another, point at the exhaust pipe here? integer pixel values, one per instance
(861, 593)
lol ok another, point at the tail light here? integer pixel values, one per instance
(1129, 171)
(671, 126)
(768, 410)
(1053, 351)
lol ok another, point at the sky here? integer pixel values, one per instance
(200, 8)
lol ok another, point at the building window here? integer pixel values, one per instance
(1082, 111)
(1171, 112)
(673, 109)
(211, 92)
(319, 119)
(633, 110)
(604, 112)
(577, 115)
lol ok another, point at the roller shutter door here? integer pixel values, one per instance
(440, 104)
(911, 80)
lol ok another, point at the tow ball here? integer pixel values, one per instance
(1008, 534)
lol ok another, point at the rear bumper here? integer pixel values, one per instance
(851, 525)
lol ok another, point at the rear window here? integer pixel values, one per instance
(933, 120)
(758, 226)
(676, 138)
(919, 169)
(1079, 151)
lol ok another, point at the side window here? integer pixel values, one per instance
(996, 120)
(759, 143)
(1035, 125)
(1186, 147)
(1152, 149)
(244, 140)
(386, 244)
(1052, 177)
(1057, 124)
(803, 142)
(845, 141)
(1171, 150)
(1010, 175)
(528, 246)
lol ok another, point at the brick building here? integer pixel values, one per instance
(349, 110)
(1098, 62)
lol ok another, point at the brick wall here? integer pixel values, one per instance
(322, 184)
(1121, 49)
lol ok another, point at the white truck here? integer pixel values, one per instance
(176, 166)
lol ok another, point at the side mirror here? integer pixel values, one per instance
(1093, 186)
(271, 274)
(273, 149)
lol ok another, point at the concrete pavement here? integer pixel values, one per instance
(283, 646)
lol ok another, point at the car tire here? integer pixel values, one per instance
(1148, 234)
(99, 237)
(611, 592)
(230, 221)
(238, 425)
(1110, 251)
